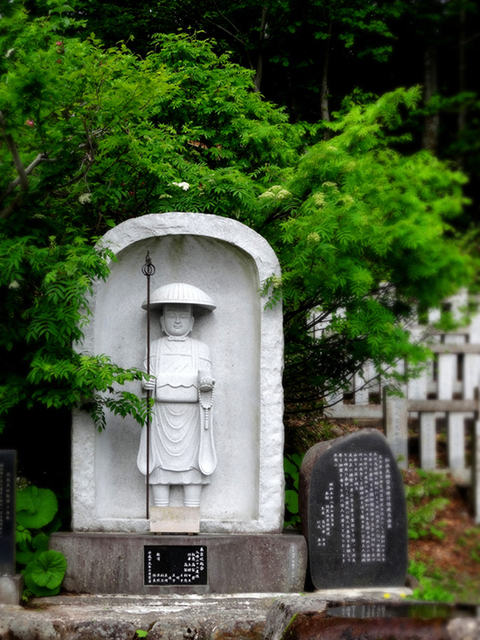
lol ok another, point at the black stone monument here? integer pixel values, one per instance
(11, 585)
(7, 512)
(354, 515)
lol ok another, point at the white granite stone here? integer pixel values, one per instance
(230, 262)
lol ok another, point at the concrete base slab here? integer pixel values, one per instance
(11, 588)
(119, 617)
(114, 563)
(189, 617)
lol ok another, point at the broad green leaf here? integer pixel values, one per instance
(47, 570)
(35, 507)
(291, 500)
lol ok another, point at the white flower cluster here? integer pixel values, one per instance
(183, 185)
(276, 282)
(319, 199)
(14, 285)
(9, 53)
(347, 200)
(85, 198)
(313, 237)
(277, 193)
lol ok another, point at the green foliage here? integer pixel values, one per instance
(360, 215)
(471, 540)
(424, 502)
(44, 570)
(35, 507)
(291, 467)
(43, 576)
(430, 588)
(93, 136)
(109, 145)
(141, 633)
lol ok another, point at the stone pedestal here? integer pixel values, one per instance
(115, 563)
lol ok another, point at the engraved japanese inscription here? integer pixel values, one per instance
(7, 512)
(366, 478)
(175, 565)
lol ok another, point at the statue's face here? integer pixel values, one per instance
(177, 319)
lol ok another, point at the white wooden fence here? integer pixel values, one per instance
(442, 404)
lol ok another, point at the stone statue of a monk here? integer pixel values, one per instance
(182, 449)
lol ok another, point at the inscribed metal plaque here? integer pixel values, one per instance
(175, 565)
(7, 512)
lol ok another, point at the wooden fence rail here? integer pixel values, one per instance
(442, 405)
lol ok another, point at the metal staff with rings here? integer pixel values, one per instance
(148, 270)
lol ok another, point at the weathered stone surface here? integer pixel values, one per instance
(353, 512)
(11, 588)
(247, 617)
(114, 563)
(375, 621)
(27, 628)
(244, 630)
(101, 630)
(284, 610)
(119, 617)
(463, 629)
(231, 263)
(313, 627)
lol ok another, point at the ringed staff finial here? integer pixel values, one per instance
(148, 270)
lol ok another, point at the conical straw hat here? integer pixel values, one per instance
(180, 293)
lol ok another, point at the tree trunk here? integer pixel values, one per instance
(261, 38)
(324, 110)
(432, 122)
(462, 82)
(292, 99)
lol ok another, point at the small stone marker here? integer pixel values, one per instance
(353, 511)
(396, 426)
(10, 584)
(175, 565)
(7, 512)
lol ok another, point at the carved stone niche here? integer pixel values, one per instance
(229, 262)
